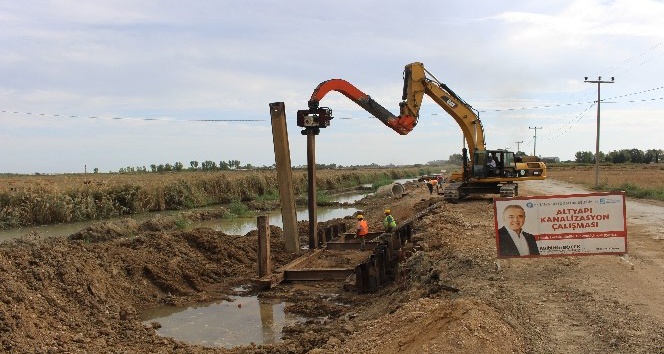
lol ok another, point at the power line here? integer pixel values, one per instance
(168, 119)
(577, 103)
(534, 107)
(568, 125)
(614, 69)
(636, 93)
(46, 115)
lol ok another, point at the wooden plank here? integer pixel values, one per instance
(264, 263)
(284, 175)
(370, 236)
(302, 262)
(347, 246)
(318, 274)
(270, 281)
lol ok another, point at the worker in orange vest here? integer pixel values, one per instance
(431, 183)
(362, 230)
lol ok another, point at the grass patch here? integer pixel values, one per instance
(269, 195)
(634, 191)
(636, 180)
(182, 223)
(381, 182)
(322, 197)
(238, 209)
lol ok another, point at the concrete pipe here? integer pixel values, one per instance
(393, 190)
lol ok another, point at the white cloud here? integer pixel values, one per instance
(521, 63)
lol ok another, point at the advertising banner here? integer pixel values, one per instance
(561, 225)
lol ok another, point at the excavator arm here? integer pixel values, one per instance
(402, 124)
(476, 175)
(416, 84)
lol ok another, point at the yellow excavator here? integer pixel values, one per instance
(487, 172)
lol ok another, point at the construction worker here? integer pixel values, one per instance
(491, 164)
(362, 230)
(389, 223)
(430, 183)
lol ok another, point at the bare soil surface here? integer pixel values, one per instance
(83, 293)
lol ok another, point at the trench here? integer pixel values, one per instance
(241, 321)
(246, 319)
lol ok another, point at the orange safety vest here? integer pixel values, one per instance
(362, 228)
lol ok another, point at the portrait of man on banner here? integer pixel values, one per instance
(513, 241)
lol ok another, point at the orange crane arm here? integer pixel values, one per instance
(416, 84)
(401, 124)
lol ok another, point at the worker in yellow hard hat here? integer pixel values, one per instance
(389, 223)
(362, 230)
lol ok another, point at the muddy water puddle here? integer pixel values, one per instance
(242, 321)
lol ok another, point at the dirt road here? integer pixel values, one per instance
(83, 294)
(618, 306)
(594, 304)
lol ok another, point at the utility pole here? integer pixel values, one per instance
(535, 137)
(517, 145)
(599, 82)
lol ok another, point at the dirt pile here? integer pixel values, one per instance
(83, 294)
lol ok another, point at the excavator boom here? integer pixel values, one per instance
(416, 84)
(477, 175)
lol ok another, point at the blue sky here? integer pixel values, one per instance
(110, 84)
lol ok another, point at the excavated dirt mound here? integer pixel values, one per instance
(83, 293)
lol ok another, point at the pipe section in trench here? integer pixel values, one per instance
(395, 190)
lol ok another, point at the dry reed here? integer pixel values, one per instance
(36, 200)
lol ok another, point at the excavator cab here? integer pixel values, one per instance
(493, 163)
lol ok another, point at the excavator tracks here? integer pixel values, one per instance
(456, 191)
(451, 192)
(509, 190)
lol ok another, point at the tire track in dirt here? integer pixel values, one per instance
(623, 312)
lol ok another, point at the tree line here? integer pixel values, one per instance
(620, 156)
(209, 165)
(616, 156)
(206, 165)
